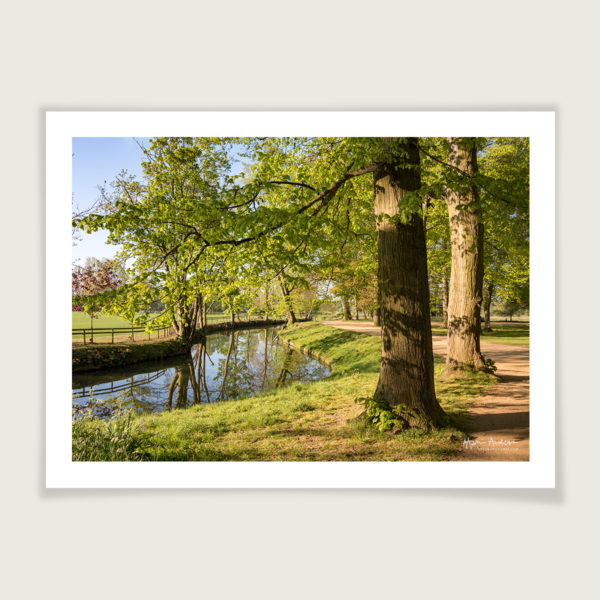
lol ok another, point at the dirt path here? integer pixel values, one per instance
(498, 423)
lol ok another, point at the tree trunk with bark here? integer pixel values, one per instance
(466, 278)
(200, 313)
(356, 308)
(406, 375)
(288, 301)
(487, 306)
(185, 320)
(346, 309)
(267, 303)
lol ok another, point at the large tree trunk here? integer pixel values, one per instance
(265, 360)
(267, 303)
(346, 309)
(406, 375)
(309, 315)
(288, 301)
(487, 306)
(466, 278)
(184, 322)
(200, 312)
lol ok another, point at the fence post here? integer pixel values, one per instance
(84, 337)
(112, 336)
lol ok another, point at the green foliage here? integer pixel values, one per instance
(379, 413)
(196, 232)
(301, 207)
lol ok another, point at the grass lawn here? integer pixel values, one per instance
(81, 320)
(516, 335)
(303, 422)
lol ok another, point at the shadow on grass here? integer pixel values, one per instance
(315, 421)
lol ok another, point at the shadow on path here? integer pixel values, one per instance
(498, 423)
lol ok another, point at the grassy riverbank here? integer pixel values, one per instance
(308, 421)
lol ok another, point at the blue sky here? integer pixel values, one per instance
(96, 161)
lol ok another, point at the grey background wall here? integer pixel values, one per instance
(310, 55)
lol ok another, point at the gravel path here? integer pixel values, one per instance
(498, 423)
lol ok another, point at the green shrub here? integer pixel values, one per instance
(120, 439)
(379, 413)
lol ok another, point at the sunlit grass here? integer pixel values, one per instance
(82, 320)
(313, 421)
(515, 335)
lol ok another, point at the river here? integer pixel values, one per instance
(224, 367)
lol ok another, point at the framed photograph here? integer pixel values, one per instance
(300, 299)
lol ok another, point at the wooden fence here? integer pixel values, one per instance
(104, 332)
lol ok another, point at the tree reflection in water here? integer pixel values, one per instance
(221, 367)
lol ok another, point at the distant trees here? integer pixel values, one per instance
(511, 308)
(438, 254)
(356, 281)
(90, 284)
(504, 164)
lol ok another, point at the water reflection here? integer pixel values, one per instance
(223, 367)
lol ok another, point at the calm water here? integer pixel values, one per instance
(226, 367)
